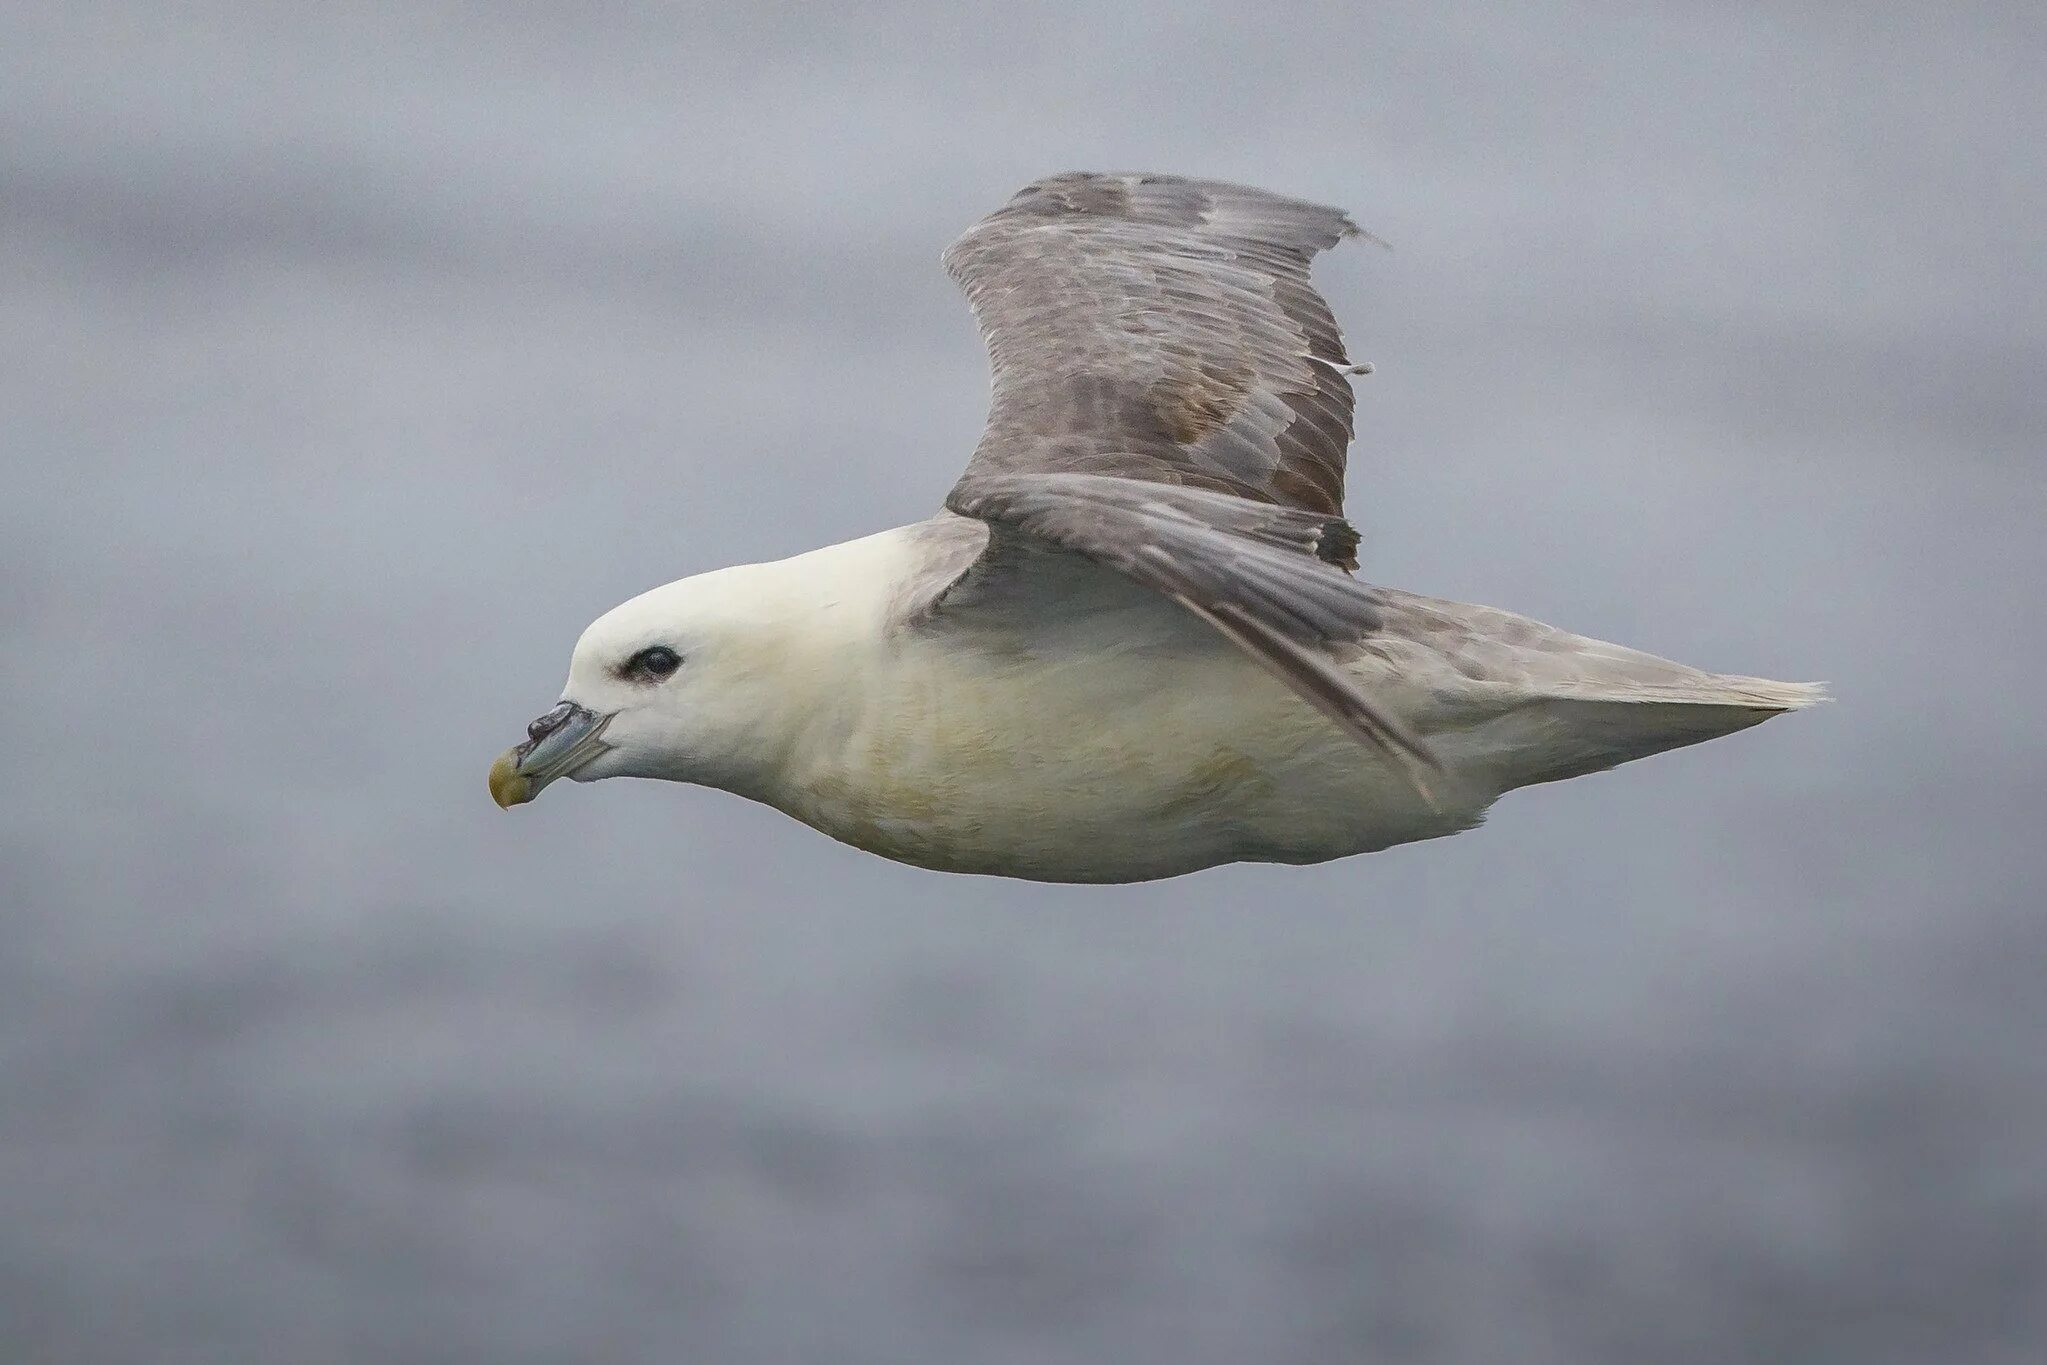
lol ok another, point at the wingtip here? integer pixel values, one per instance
(1351, 229)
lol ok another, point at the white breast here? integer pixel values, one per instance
(1093, 766)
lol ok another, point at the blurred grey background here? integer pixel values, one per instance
(353, 357)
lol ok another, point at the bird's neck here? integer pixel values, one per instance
(820, 658)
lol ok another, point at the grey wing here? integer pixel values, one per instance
(1247, 570)
(1170, 405)
(1161, 329)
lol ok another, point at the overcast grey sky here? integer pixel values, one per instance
(353, 357)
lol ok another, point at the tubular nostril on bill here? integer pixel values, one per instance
(542, 726)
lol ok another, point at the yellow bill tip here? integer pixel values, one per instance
(508, 786)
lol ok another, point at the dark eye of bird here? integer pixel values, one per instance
(652, 663)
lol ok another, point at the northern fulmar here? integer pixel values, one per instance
(1131, 645)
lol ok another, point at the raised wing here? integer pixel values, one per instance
(1161, 329)
(1171, 405)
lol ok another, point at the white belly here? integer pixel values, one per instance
(1119, 767)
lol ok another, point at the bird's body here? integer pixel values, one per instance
(1118, 745)
(1121, 741)
(1131, 647)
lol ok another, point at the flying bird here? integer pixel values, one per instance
(1133, 644)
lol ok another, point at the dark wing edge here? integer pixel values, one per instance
(1249, 571)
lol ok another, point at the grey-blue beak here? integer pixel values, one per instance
(556, 745)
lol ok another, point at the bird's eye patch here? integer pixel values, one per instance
(651, 664)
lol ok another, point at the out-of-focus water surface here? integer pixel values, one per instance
(353, 357)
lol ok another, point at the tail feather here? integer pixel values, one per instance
(1699, 689)
(1588, 729)
(1541, 704)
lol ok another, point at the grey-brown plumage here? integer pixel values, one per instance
(1171, 401)
(1161, 329)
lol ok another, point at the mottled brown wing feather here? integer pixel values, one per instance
(1161, 329)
